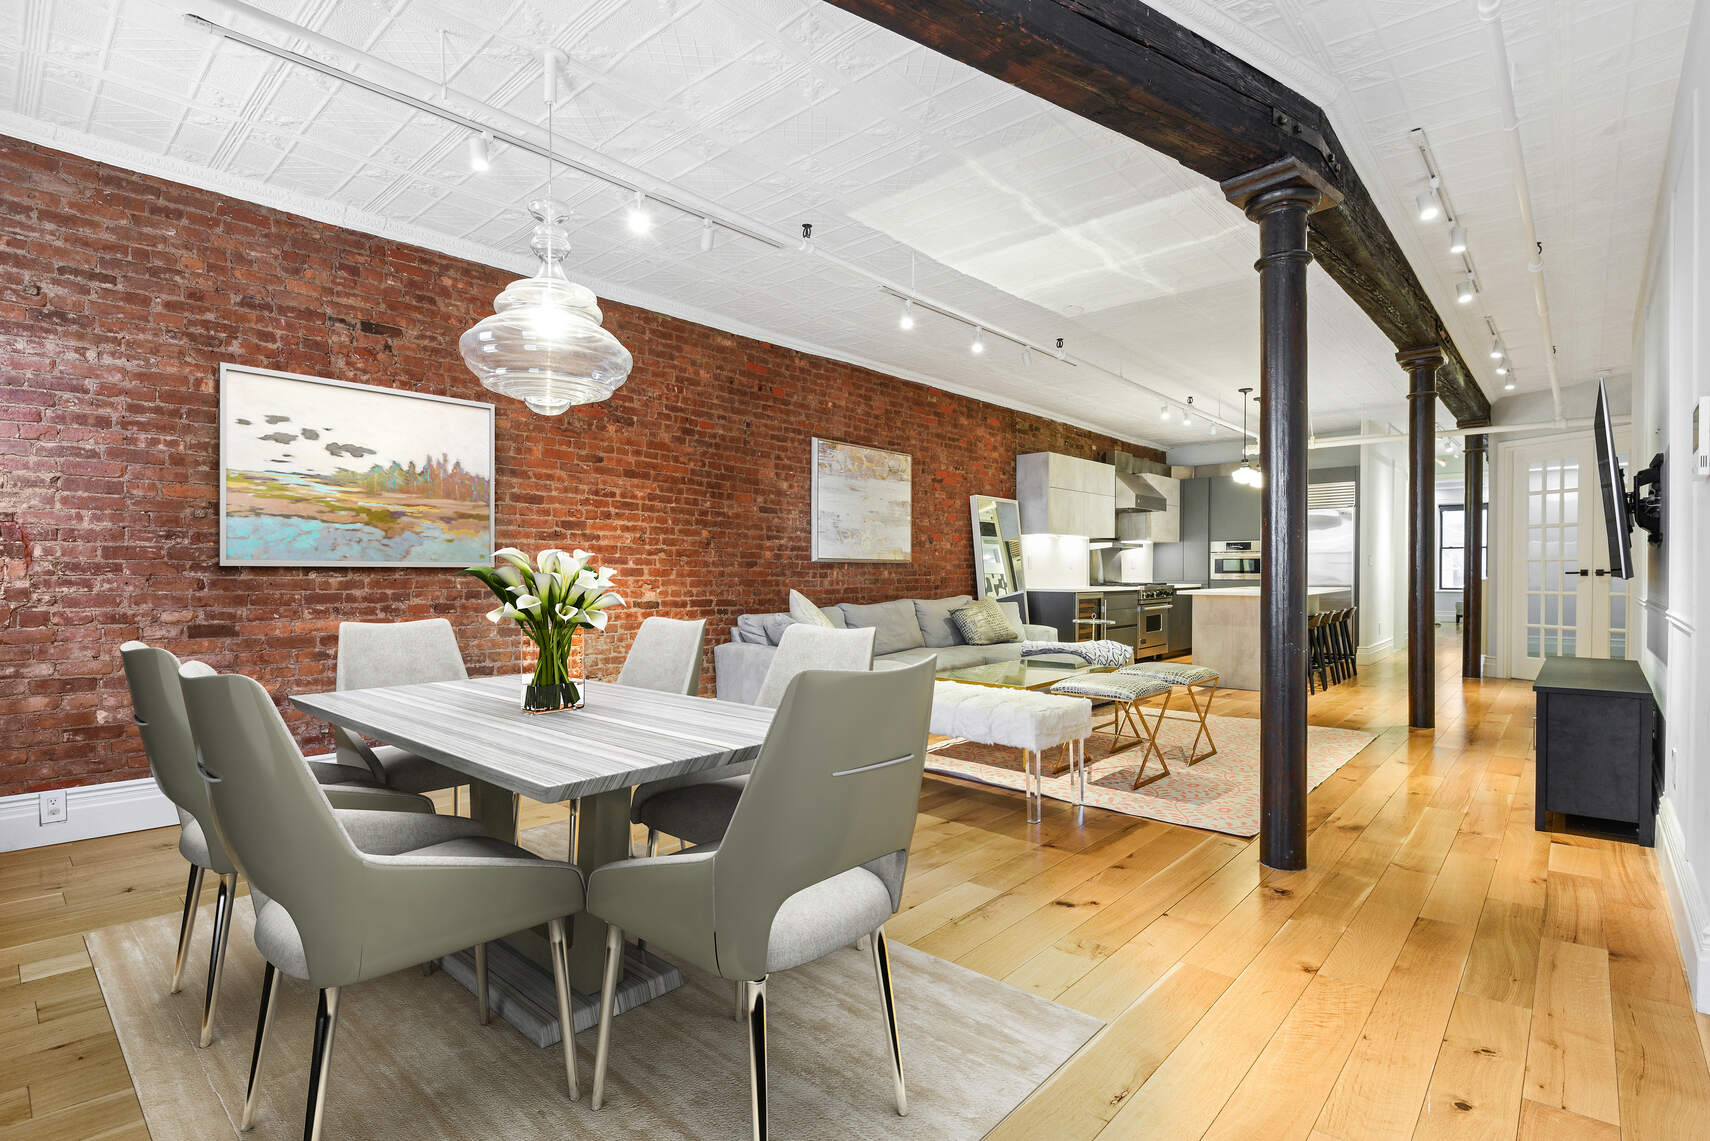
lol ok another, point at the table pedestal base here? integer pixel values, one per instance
(520, 990)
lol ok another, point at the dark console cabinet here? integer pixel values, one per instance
(1599, 737)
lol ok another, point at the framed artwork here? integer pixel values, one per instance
(862, 504)
(324, 473)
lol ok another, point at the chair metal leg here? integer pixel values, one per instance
(882, 968)
(741, 1009)
(608, 992)
(269, 987)
(575, 828)
(481, 1006)
(653, 841)
(326, 1026)
(217, 953)
(560, 944)
(192, 898)
(755, 1001)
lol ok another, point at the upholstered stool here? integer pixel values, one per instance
(1191, 678)
(1125, 692)
(1021, 719)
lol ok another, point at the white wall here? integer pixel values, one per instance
(1671, 350)
(1383, 545)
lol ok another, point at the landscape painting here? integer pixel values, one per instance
(862, 504)
(322, 472)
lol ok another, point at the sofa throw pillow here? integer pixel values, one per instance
(806, 612)
(984, 623)
(775, 625)
(933, 615)
(895, 623)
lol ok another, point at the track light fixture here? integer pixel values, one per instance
(640, 221)
(1060, 354)
(806, 244)
(480, 152)
(1465, 292)
(1187, 414)
(1502, 370)
(706, 235)
(906, 320)
(1429, 208)
(1164, 412)
(978, 344)
(1495, 349)
(1026, 356)
(1457, 239)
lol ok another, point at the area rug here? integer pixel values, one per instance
(411, 1061)
(1220, 794)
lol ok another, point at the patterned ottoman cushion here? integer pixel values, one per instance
(1176, 673)
(1111, 687)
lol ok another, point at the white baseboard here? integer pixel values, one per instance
(1372, 652)
(1686, 904)
(90, 811)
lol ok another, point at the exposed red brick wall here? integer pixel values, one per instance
(120, 295)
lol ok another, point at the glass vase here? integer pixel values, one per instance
(553, 686)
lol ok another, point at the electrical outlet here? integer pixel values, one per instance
(52, 806)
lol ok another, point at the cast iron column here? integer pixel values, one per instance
(1421, 365)
(1472, 584)
(1279, 198)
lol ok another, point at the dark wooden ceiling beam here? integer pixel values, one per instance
(1129, 68)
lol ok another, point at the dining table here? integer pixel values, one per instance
(590, 757)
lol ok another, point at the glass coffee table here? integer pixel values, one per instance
(1026, 673)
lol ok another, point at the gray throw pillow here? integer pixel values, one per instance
(984, 623)
(805, 612)
(933, 615)
(775, 625)
(895, 622)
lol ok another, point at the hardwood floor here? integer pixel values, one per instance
(1439, 970)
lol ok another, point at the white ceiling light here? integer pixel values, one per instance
(1060, 353)
(1026, 356)
(1502, 370)
(906, 320)
(640, 221)
(1495, 349)
(1429, 208)
(1187, 414)
(806, 244)
(1457, 239)
(978, 344)
(480, 152)
(1465, 292)
(1164, 412)
(706, 235)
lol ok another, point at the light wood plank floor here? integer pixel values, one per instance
(1440, 970)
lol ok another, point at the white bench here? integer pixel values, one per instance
(1019, 719)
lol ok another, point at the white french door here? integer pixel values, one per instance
(1561, 599)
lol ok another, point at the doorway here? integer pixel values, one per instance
(1560, 599)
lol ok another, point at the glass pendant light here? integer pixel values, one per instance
(544, 344)
(1248, 474)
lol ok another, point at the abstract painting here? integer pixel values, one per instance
(318, 472)
(862, 504)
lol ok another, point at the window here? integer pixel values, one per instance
(1451, 545)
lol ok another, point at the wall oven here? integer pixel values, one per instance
(1235, 559)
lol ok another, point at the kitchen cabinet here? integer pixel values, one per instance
(1181, 623)
(1194, 549)
(1065, 495)
(1235, 511)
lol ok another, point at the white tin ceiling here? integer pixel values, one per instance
(914, 167)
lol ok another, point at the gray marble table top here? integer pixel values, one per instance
(625, 736)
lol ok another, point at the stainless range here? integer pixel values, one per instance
(1152, 628)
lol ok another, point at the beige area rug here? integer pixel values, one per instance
(411, 1061)
(1220, 793)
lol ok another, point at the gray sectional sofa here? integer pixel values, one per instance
(908, 630)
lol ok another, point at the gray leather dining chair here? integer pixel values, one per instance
(360, 895)
(157, 706)
(665, 656)
(696, 807)
(373, 654)
(814, 857)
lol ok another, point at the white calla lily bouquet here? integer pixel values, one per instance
(551, 597)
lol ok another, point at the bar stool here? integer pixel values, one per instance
(1350, 640)
(1317, 652)
(1125, 692)
(1191, 678)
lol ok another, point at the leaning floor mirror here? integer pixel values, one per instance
(997, 549)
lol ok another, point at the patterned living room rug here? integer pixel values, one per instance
(1220, 794)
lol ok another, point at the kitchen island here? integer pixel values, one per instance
(1226, 629)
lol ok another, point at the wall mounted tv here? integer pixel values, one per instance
(1623, 508)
